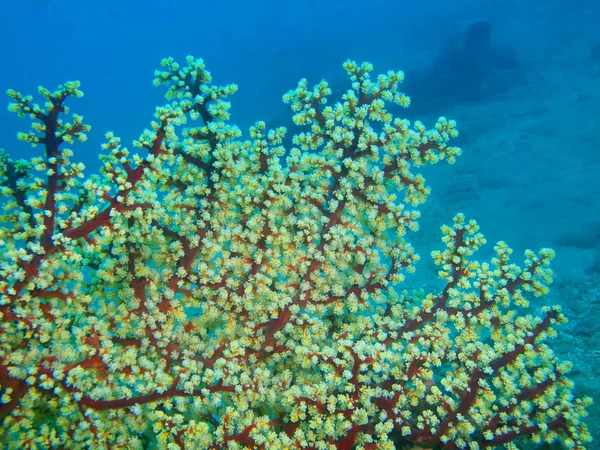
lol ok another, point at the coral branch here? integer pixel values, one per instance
(221, 292)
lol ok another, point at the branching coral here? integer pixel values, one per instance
(216, 292)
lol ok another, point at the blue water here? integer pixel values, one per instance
(527, 103)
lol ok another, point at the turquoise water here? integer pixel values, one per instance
(521, 78)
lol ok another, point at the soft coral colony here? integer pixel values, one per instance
(215, 292)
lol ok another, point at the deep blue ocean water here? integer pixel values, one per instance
(521, 77)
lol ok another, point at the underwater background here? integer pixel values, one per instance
(521, 78)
